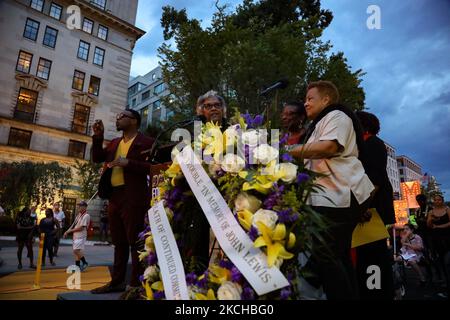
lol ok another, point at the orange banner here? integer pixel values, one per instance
(410, 190)
(401, 212)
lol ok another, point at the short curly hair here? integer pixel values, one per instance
(369, 122)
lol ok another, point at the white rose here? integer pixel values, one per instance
(213, 167)
(232, 163)
(151, 273)
(244, 201)
(288, 171)
(268, 217)
(254, 137)
(229, 291)
(265, 153)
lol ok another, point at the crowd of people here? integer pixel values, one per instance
(52, 226)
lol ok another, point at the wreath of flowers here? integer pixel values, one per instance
(266, 197)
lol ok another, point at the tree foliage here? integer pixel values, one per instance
(27, 183)
(88, 174)
(244, 51)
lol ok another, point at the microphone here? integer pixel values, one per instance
(280, 84)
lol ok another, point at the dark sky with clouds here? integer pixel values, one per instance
(407, 63)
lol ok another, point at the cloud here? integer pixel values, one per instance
(142, 64)
(407, 81)
(407, 70)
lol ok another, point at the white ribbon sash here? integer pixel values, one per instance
(237, 245)
(170, 264)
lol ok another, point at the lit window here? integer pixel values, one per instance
(26, 105)
(94, 85)
(80, 119)
(24, 62)
(78, 80)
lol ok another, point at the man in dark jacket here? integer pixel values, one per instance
(124, 183)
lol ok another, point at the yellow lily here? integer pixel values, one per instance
(219, 275)
(262, 184)
(291, 241)
(243, 174)
(272, 240)
(212, 140)
(173, 170)
(158, 286)
(209, 296)
(143, 254)
(245, 218)
(149, 244)
(148, 291)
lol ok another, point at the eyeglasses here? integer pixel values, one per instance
(210, 106)
(123, 115)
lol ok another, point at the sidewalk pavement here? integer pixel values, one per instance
(96, 255)
(19, 285)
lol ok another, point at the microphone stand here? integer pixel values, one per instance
(268, 103)
(153, 149)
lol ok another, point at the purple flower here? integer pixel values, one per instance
(284, 215)
(236, 275)
(203, 282)
(284, 139)
(273, 198)
(226, 264)
(190, 278)
(285, 293)
(158, 295)
(286, 157)
(302, 177)
(152, 259)
(248, 294)
(251, 122)
(253, 233)
(259, 119)
(141, 278)
(141, 235)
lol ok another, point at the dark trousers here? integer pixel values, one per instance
(126, 220)
(375, 253)
(331, 258)
(48, 247)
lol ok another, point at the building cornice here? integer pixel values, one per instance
(137, 32)
(30, 81)
(84, 98)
